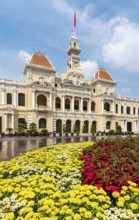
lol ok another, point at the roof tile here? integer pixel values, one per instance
(41, 60)
(103, 74)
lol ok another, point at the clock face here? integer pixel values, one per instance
(77, 82)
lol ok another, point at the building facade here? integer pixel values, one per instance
(51, 101)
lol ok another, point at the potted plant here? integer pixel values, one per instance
(9, 130)
(64, 128)
(75, 129)
(2, 134)
(54, 133)
(77, 132)
(44, 132)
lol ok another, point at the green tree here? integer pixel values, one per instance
(64, 128)
(21, 127)
(92, 129)
(75, 128)
(118, 129)
(33, 128)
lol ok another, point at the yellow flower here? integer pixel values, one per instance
(9, 216)
(94, 205)
(116, 194)
(69, 212)
(120, 203)
(77, 217)
(127, 197)
(88, 214)
(124, 188)
(99, 215)
(133, 206)
(132, 184)
(105, 206)
(101, 198)
(30, 203)
(93, 196)
(82, 210)
(69, 218)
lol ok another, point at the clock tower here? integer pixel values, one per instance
(74, 71)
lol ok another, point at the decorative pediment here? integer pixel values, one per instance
(40, 84)
(71, 83)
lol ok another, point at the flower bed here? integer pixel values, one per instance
(47, 184)
(111, 165)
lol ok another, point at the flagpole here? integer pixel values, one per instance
(74, 30)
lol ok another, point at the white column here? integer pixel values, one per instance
(5, 122)
(12, 147)
(81, 105)
(2, 95)
(73, 104)
(113, 107)
(63, 101)
(89, 105)
(33, 99)
(14, 97)
(13, 121)
(124, 109)
(102, 106)
(50, 100)
(138, 126)
(125, 126)
(136, 111)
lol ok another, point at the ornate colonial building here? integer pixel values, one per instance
(52, 101)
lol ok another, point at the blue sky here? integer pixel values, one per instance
(108, 33)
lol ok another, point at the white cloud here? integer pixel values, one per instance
(14, 69)
(89, 68)
(24, 56)
(121, 49)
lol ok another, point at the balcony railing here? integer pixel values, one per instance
(108, 112)
(43, 107)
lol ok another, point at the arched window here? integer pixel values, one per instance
(68, 125)
(9, 98)
(58, 126)
(94, 126)
(42, 123)
(21, 99)
(42, 100)
(116, 108)
(67, 104)
(58, 103)
(84, 105)
(108, 125)
(77, 124)
(76, 104)
(22, 121)
(92, 106)
(107, 106)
